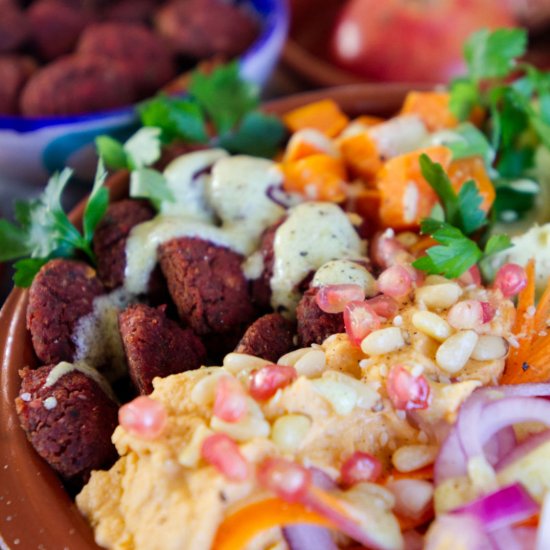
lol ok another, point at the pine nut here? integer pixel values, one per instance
(237, 362)
(413, 457)
(204, 390)
(340, 395)
(311, 364)
(431, 324)
(383, 341)
(291, 358)
(454, 353)
(289, 431)
(191, 453)
(249, 427)
(489, 348)
(439, 296)
(435, 280)
(412, 496)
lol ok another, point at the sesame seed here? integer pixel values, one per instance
(50, 403)
(26, 396)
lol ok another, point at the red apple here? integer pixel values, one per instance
(411, 40)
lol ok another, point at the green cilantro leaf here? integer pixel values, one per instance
(111, 152)
(469, 202)
(258, 134)
(26, 270)
(152, 185)
(496, 244)
(467, 141)
(224, 96)
(13, 242)
(493, 54)
(177, 119)
(464, 97)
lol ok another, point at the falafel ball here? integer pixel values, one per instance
(15, 70)
(55, 27)
(156, 346)
(130, 11)
(14, 28)
(111, 235)
(76, 85)
(146, 57)
(314, 325)
(62, 292)
(269, 337)
(69, 423)
(207, 285)
(205, 28)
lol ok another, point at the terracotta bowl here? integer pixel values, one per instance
(35, 510)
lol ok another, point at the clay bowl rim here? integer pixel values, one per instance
(35, 510)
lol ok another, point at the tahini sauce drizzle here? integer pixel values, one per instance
(236, 193)
(313, 234)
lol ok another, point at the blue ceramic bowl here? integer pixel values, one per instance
(32, 148)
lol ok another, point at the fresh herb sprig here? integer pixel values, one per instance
(462, 217)
(221, 109)
(44, 231)
(516, 96)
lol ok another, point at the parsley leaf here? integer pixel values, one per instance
(176, 118)
(111, 152)
(44, 230)
(496, 244)
(461, 211)
(143, 148)
(152, 185)
(467, 141)
(224, 95)
(258, 134)
(493, 54)
(455, 254)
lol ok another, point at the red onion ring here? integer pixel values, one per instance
(305, 537)
(281, 197)
(526, 447)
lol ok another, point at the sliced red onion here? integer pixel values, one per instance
(500, 446)
(322, 479)
(306, 537)
(523, 449)
(513, 538)
(280, 197)
(543, 534)
(501, 508)
(456, 531)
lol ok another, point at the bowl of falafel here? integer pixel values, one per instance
(72, 71)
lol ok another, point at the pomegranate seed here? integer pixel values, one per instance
(360, 467)
(488, 312)
(510, 279)
(288, 480)
(333, 298)
(224, 454)
(360, 320)
(386, 250)
(406, 391)
(396, 281)
(265, 382)
(466, 314)
(471, 277)
(230, 400)
(384, 306)
(143, 417)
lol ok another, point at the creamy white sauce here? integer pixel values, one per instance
(237, 196)
(253, 266)
(63, 368)
(344, 272)
(189, 189)
(313, 234)
(97, 338)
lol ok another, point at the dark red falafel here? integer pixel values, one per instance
(156, 346)
(205, 28)
(69, 423)
(55, 27)
(15, 70)
(269, 337)
(111, 235)
(207, 285)
(146, 57)
(76, 85)
(14, 28)
(62, 292)
(314, 325)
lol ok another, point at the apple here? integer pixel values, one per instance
(411, 40)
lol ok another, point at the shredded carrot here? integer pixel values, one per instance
(543, 310)
(432, 108)
(238, 529)
(317, 177)
(361, 156)
(325, 116)
(523, 329)
(406, 197)
(473, 168)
